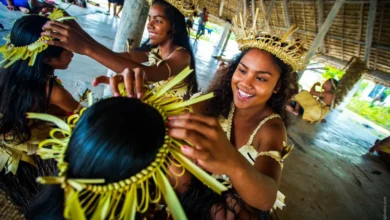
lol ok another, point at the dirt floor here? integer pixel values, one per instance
(329, 175)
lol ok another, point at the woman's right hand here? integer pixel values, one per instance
(69, 35)
(133, 79)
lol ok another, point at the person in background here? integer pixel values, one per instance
(201, 23)
(115, 3)
(26, 6)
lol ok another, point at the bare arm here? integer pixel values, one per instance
(257, 185)
(177, 62)
(74, 40)
(215, 153)
(63, 99)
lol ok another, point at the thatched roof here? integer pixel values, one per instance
(346, 36)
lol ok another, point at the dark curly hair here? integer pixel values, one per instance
(223, 94)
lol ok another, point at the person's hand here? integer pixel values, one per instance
(69, 36)
(212, 150)
(133, 79)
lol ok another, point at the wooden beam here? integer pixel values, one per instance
(262, 7)
(379, 34)
(378, 46)
(324, 29)
(342, 35)
(263, 15)
(245, 8)
(321, 21)
(286, 17)
(304, 20)
(221, 8)
(370, 30)
(269, 10)
(360, 27)
(253, 7)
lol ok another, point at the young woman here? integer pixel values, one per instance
(25, 88)
(168, 48)
(103, 145)
(325, 96)
(247, 145)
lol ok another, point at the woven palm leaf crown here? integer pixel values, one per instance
(186, 7)
(94, 197)
(290, 52)
(12, 53)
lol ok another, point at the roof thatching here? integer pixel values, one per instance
(346, 37)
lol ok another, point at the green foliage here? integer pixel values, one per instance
(363, 85)
(377, 114)
(332, 72)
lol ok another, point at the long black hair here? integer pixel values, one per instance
(114, 139)
(180, 38)
(23, 87)
(223, 94)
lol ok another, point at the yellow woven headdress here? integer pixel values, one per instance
(290, 52)
(186, 7)
(13, 53)
(94, 198)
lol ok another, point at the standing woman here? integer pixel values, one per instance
(247, 145)
(166, 52)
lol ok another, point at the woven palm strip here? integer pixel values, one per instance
(7, 210)
(354, 70)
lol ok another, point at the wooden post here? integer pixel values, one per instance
(131, 26)
(223, 40)
(370, 30)
(221, 8)
(324, 29)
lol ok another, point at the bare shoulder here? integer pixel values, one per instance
(271, 136)
(181, 54)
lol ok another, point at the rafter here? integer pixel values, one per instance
(379, 34)
(286, 16)
(269, 10)
(324, 28)
(370, 30)
(360, 27)
(221, 4)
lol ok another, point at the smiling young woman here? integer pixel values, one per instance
(241, 135)
(168, 46)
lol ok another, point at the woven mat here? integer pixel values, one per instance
(7, 209)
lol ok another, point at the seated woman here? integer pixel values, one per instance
(314, 106)
(26, 6)
(113, 161)
(28, 83)
(162, 56)
(246, 146)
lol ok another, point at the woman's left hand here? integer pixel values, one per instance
(212, 150)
